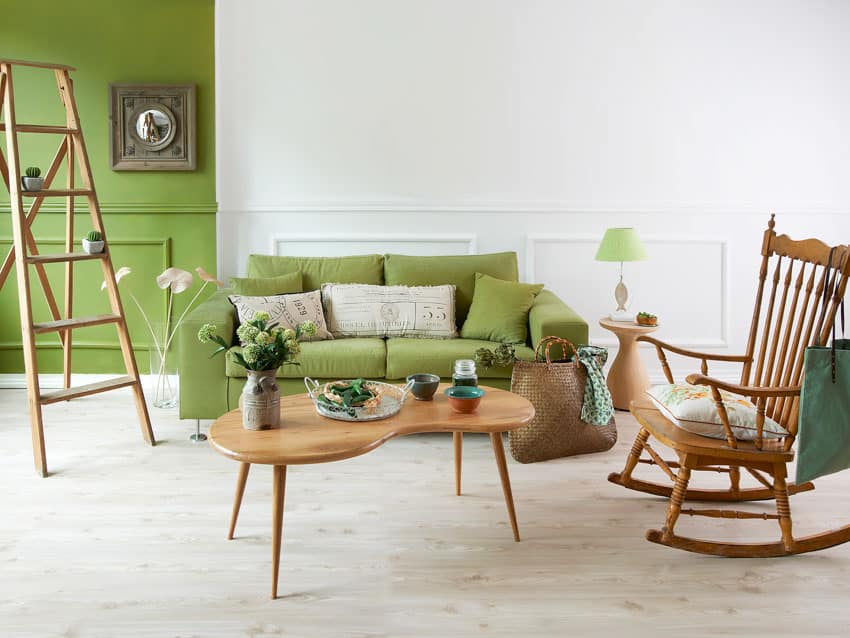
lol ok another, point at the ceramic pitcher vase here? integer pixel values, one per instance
(261, 401)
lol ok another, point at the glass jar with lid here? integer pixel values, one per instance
(465, 374)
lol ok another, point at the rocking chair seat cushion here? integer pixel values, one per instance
(692, 408)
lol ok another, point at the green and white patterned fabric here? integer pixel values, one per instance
(597, 408)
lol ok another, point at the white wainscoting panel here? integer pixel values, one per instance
(684, 281)
(338, 245)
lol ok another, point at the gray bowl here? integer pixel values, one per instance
(424, 385)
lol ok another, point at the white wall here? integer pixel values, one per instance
(446, 126)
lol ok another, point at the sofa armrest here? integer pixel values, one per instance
(203, 383)
(551, 316)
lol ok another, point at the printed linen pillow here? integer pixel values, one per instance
(363, 310)
(285, 310)
(691, 407)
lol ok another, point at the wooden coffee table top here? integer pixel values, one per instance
(306, 437)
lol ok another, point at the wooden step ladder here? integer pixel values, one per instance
(24, 253)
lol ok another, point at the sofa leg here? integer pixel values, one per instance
(198, 436)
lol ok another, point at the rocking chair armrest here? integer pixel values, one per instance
(744, 390)
(693, 353)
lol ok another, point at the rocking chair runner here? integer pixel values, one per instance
(794, 310)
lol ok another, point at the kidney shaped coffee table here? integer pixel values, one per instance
(304, 437)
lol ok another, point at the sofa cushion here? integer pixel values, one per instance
(692, 408)
(499, 310)
(406, 356)
(337, 359)
(407, 270)
(265, 286)
(315, 271)
(362, 310)
(286, 311)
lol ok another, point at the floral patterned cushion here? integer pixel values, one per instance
(691, 407)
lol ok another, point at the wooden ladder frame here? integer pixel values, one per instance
(24, 253)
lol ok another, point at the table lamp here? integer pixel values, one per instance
(621, 244)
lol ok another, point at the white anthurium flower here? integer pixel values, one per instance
(119, 275)
(175, 278)
(205, 276)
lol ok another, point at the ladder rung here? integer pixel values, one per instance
(58, 192)
(40, 128)
(74, 322)
(84, 390)
(59, 257)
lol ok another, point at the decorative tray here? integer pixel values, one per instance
(357, 399)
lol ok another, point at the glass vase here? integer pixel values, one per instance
(162, 392)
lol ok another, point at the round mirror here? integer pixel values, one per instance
(153, 126)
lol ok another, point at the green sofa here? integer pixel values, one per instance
(211, 387)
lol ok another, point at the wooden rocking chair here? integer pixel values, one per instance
(800, 310)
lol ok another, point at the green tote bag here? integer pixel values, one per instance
(823, 435)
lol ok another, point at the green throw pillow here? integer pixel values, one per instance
(266, 286)
(499, 310)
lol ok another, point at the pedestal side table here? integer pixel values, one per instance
(627, 378)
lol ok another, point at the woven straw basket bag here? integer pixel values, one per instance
(556, 390)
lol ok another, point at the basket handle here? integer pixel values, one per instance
(551, 341)
(312, 386)
(405, 389)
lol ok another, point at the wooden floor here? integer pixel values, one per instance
(124, 540)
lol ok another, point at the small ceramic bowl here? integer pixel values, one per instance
(464, 399)
(424, 385)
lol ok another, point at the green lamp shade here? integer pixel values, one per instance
(621, 244)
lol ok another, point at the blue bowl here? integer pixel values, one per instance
(464, 392)
(464, 399)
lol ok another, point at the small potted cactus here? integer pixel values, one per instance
(93, 243)
(32, 179)
(647, 319)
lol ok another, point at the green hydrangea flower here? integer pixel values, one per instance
(292, 346)
(261, 316)
(263, 338)
(251, 352)
(289, 334)
(309, 329)
(205, 334)
(247, 333)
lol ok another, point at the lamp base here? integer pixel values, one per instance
(622, 315)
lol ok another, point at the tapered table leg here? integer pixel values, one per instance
(458, 441)
(502, 464)
(277, 522)
(237, 499)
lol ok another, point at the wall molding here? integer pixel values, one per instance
(125, 208)
(163, 242)
(533, 240)
(471, 241)
(662, 208)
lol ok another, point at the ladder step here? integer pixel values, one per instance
(58, 192)
(40, 128)
(74, 322)
(84, 390)
(60, 257)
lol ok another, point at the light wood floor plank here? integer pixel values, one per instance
(125, 540)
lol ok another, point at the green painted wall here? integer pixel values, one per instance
(153, 219)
